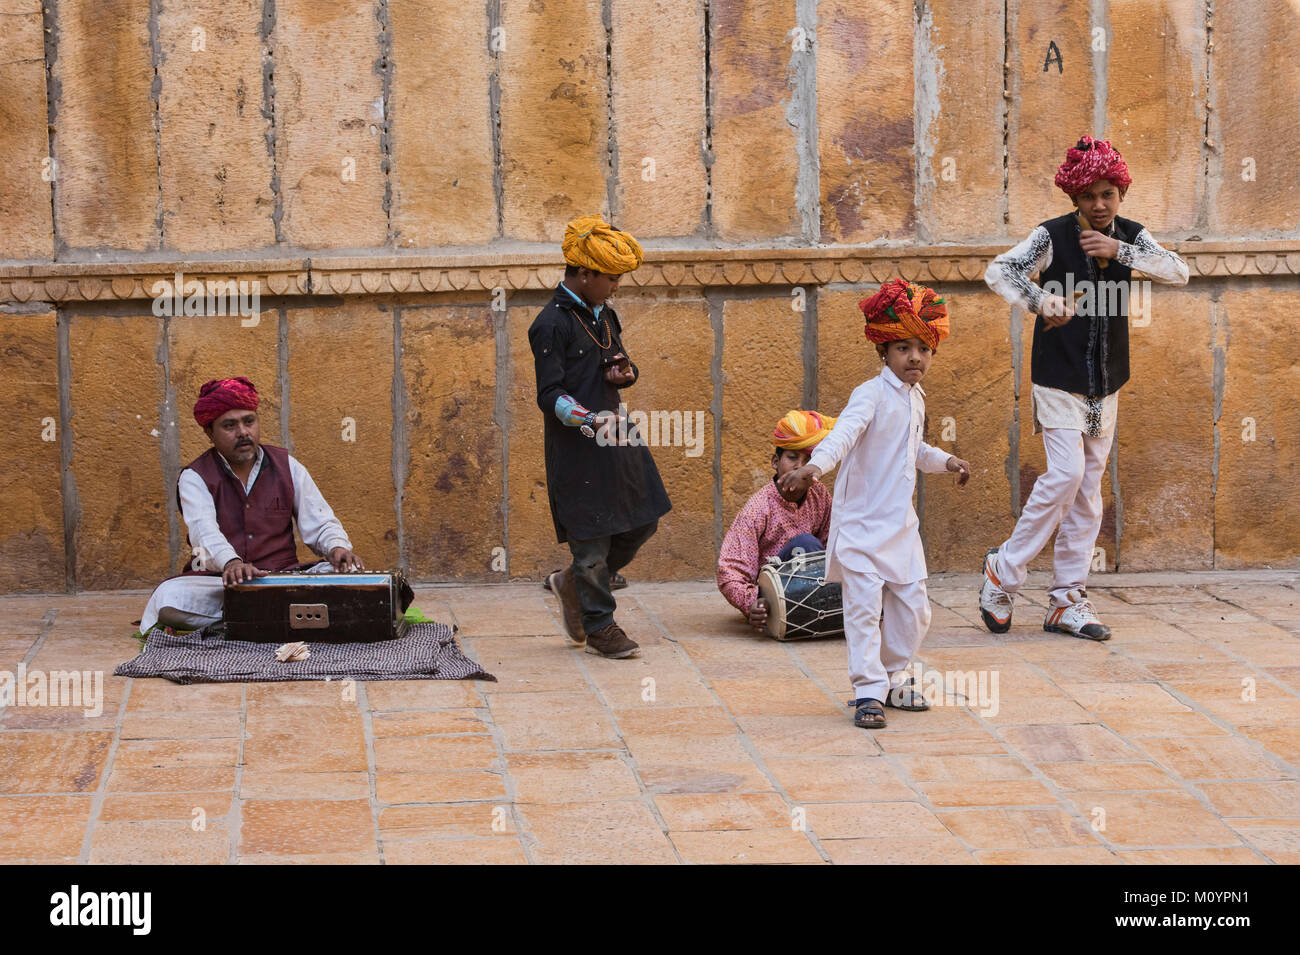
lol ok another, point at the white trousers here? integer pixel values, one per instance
(1067, 500)
(878, 650)
(188, 603)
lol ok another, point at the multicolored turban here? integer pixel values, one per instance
(1090, 160)
(902, 309)
(590, 242)
(801, 430)
(220, 395)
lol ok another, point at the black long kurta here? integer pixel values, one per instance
(594, 491)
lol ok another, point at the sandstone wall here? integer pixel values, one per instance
(393, 178)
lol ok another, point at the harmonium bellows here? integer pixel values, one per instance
(318, 608)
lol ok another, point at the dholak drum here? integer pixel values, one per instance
(801, 602)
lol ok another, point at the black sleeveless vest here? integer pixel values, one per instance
(1088, 355)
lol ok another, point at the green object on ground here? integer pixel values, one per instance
(416, 615)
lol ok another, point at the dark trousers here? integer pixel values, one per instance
(593, 563)
(804, 543)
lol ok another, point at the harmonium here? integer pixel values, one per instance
(318, 608)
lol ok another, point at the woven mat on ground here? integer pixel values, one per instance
(427, 651)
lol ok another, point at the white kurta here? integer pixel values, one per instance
(196, 601)
(877, 443)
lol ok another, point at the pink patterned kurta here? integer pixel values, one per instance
(764, 525)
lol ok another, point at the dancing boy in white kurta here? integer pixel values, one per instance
(874, 548)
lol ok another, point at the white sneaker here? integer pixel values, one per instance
(1077, 618)
(995, 603)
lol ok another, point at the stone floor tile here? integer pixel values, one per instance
(187, 724)
(1134, 725)
(165, 806)
(424, 694)
(668, 778)
(332, 695)
(536, 721)
(298, 826)
(984, 768)
(1002, 792)
(1278, 839)
(892, 851)
(159, 842)
(1061, 743)
(677, 721)
(1109, 669)
(421, 754)
(969, 743)
(665, 747)
(1069, 855)
(693, 812)
(1230, 856)
(1211, 757)
(1087, 777)
(443, 787)
(596, 833)
(1236, 798)
(571, 777)
(839, 779)
(1016, 828)
(498, 850)
(1155, 819)
(774, 698)
(52, 761)
(37, 828)
(807, 736)
(163, 696)
(427, 722)
(750, 847)
(272, 784)
(369, 857)
(902, 821)
(1105, 698)
(305, 738)
(458, 820)
(1282, 741)
(1039, 711)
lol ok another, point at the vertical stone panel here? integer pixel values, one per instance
(441, 196)
(107, 151)
(554, 117)
(451, 505)
(865, 122)
(329, 110)
(116, 391)
(845, 359)
(1256, 508)
(762, 379)
(1033, 462)
(658, 92)
(534, 551)
(341, 373)
(204, 347)
(1051, 106)
(1256, 89)
(671, 341)
(1166, 437)
(756, 163)
(969, 408)
(216, 172)
(24, 194)
(31, 495)
(1155, 107)
(960, 105)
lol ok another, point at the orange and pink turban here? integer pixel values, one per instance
(801, 430)
(1089, 160)
(902, 309)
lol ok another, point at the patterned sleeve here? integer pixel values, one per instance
(739, 561)
(1146, 255)
(1008, 274)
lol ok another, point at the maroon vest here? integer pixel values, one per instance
(259, 525)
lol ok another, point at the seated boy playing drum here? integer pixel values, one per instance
(776, 522)
(874, 549)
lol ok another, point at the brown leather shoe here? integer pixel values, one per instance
(563, 586)
(611, 642)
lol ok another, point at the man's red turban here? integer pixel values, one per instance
(1089, 160)
(904, 310)
(220, 395)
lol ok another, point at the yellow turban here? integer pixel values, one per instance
(800, 430)
(591, 243)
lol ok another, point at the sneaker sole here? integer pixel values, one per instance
(1052, 628)
(993, 624)
(621, 655)
(554, 587)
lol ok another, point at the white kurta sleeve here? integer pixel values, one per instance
(850, 424)
(932, 460)
(1146, 255)
(1008, 274)
(199, 512)
(320, 529)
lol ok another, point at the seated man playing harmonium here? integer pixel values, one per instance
(239, 500)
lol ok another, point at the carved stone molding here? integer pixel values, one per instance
(386, 274)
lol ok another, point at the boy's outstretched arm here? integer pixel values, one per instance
(1146, 256)
(1008, 274)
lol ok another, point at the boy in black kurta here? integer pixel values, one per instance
(1085, 260)
(606, 498)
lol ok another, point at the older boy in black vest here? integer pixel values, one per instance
(1085, 261)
